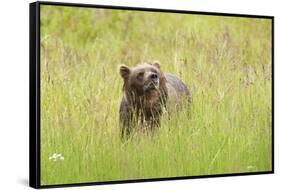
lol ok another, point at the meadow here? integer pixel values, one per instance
(225, 61)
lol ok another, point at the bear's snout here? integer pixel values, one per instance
(151, 81)
(153, 76)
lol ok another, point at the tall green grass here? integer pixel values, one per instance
(225, 61)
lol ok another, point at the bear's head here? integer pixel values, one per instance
(143, 79)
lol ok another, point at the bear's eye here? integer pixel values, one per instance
(140, 75)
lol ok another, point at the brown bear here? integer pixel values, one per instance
(147, 92)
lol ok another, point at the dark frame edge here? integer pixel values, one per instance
(155, 179)
(54, 3)
(34, 118)
(272, 97)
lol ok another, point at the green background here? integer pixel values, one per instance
(225, 61)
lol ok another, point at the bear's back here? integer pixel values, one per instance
(178, 92)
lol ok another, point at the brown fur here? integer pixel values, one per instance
(146, 91)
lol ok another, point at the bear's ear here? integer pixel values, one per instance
(124, 71)
(156, 64)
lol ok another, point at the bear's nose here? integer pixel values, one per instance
(153, 76)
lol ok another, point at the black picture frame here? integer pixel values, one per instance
(34, 91)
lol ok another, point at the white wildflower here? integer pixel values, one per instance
(55, 157)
